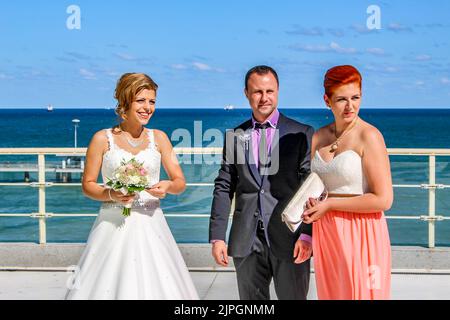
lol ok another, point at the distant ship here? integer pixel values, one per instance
(50, 108)
(229, 107)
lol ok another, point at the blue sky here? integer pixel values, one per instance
(199, 51)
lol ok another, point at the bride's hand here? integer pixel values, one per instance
(160, 189)
(315, 210)
(118, 196)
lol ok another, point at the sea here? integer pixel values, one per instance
(34, 128)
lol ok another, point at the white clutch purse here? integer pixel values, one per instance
(313, 187)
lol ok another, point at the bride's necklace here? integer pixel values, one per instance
(335, 144)
(131, 142)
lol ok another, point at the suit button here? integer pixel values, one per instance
(262, 191)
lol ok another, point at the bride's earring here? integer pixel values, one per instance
(328, 107)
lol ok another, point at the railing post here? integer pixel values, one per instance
(432, 201)
(42, 223)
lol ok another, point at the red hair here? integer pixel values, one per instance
(340, 75)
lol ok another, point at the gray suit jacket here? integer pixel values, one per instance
(260, 197)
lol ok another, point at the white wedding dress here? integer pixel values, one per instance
(134, 257)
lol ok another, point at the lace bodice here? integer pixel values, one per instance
(150, 156)
(343, 174)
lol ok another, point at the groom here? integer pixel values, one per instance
(265, 160)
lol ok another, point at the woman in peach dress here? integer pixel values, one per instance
(351, 246)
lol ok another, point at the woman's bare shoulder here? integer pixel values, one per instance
(159, 133)
(160, 136)
(371, 139)
(100, 136)
(369, 132)
(161, 140)
(99, 140)
(322, 134)
(324, 131)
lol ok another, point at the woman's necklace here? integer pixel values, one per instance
(131, 142)
(335, 144)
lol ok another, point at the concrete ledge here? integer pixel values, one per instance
(62, 255)
(197, 257)
(420, 258)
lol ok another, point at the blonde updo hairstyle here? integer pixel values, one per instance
(128, 87)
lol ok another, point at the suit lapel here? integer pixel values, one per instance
(281, 127)
(250, 160)
(281, 131)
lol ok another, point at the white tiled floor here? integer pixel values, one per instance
(210, 286)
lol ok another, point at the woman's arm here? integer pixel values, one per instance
(314, 139)
(94, 159)
(375, 161)
(177, 182)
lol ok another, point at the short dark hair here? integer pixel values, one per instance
(260, 70)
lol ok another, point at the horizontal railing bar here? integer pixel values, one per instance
(407, 186)
(91, 214)
(47, 170)
(46, 151)
(417, 152)
(421, 186)
(53, 215)
(70, 184)
(200, 150)
(403, 217)
(194, 184)
(61, 184)
(182, 215)
(78, 184)
(82, 151)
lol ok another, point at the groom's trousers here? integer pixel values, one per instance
(255, 272)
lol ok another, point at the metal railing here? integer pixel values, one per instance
(431, 218)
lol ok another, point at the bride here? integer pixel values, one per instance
(134, 257)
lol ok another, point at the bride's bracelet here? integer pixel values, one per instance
(109, 193)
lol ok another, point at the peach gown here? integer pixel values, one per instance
(352, 252)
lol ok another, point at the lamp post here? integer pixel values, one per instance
(75, 124)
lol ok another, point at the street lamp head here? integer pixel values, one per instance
(75, 124)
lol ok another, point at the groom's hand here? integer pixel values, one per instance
(302, 251)
(220, 253)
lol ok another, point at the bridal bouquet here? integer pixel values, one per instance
(129, 178)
